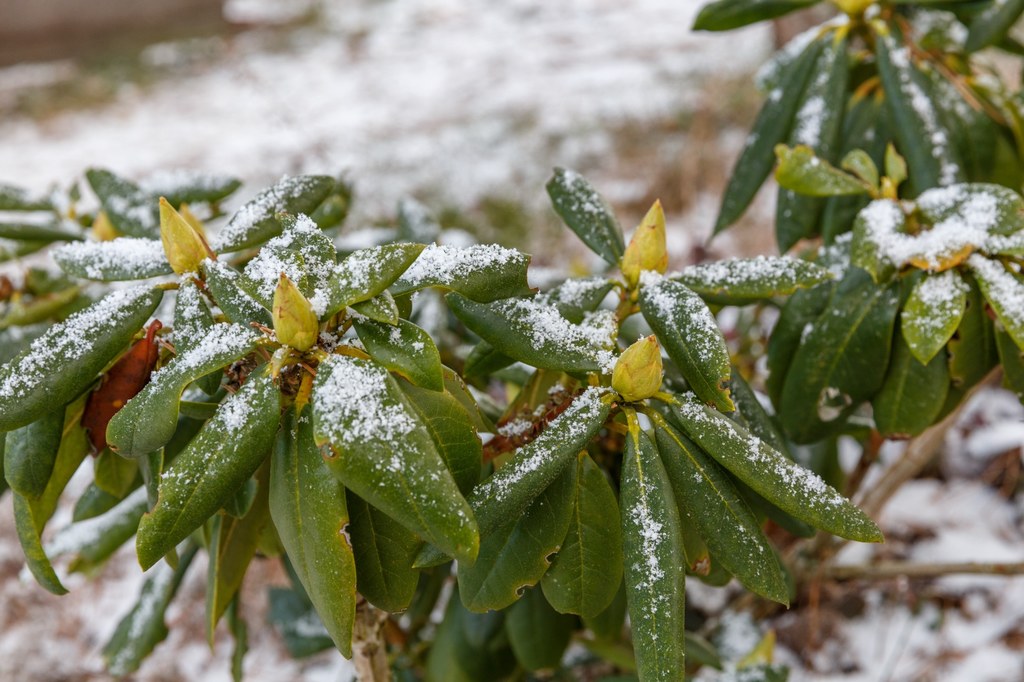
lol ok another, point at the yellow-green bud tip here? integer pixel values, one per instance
(184, 247)
(638, 372)
(646, 250)
(295, 322)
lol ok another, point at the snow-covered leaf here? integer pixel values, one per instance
(211, 468)
(403, 348)
(652, 545)
(148, 421)
(919, 129)
(130, 209)
(256, 221)
(772, 126)
(366, 273)
(382, 452)
(224, 285)
(1004, 291)
(708, 497)
(739, 280)
(124, 258)
(482, 272)
(690, 335)
(536, 333)
(143, 627)
(792, 488)
(64, 361)
(933, 312)
(586, 213)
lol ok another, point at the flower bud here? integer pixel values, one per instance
(184, 247)
(646, 250)
(102, 228)
(295, 322)
(637, 373)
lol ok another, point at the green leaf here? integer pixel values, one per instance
(131, 210)
(860, 163)
(752, 414)
(533, 467)
(148, 421)
(482, 272)
(790, 487)
(30, 453)
(384, 453)
(895, 165)
(17, 199)
(741, 280)
(517, 555)
(536, 333)
(801, 171)
(724, 520)
(587, 570)
(302, 252)
(114, 473)
(690, 335)
(977, 207)
(913, 394)
(415, 224)
(537, 633)
(11, 250)
(311, 516)
(384, 552)
(39, 232)
(972, 350)
(1004, 291)
(404, 349)
(801, 309)
(772, 126)
(366, 273)
(485, 360)
(1011, 357)
(191, 187)
(725, 15)
(469, 647)
(816, 127)
(933, 312)
(143, 627)
(124, 258)
(233, 544)
(257, 220)
(581, 208)
(224, 285)
(74, 446)
(920, 132)
(992, 24)
(65, 360)
(877, 228)
(92, 541)
(652, 545)
(841, 360)
(29, 533)
(211, 468)
(380, 308)
(452, 429)
(607, 624)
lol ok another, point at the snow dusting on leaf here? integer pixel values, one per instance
(446, 265)
(70, 339)
(121, 258)
(352, 404)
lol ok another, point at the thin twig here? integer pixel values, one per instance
(905, 569)
(918, 454)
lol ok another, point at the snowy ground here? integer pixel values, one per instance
(456, 101)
